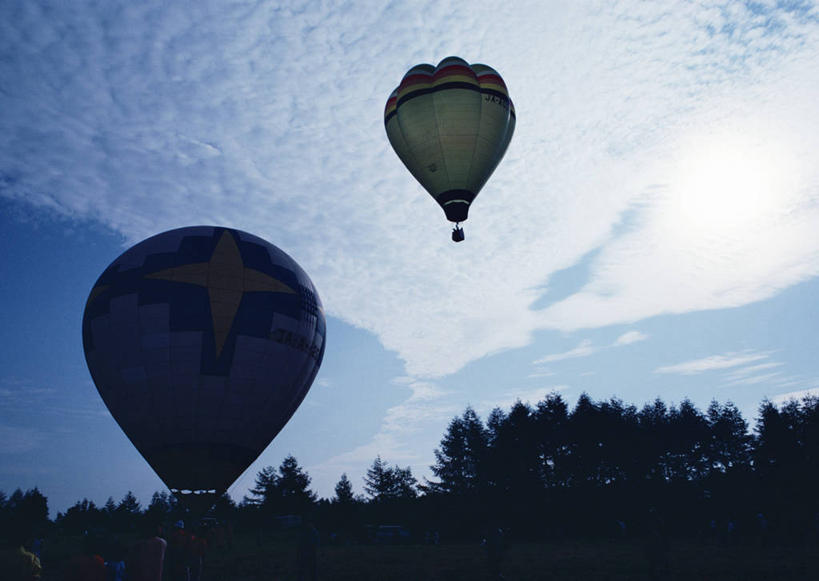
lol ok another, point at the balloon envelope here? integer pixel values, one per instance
(451, 125)
(202, 342)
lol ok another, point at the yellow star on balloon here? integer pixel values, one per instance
(227, 279)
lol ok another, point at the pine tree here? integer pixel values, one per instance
(378, 482)
(129, 504)
(80, 517)
(494, 473)
(383, 483)
(518, 450)
(160, 507)
(729, 445)
(405, 484)
(653, 442)
(344, 491)
(284, 490)
(264, 487)
(125, 515)
(292, 486)
(450, 465)
(551, 420)
(110, 507)
(687, 442)
(461, 458)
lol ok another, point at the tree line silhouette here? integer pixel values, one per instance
(603, 468)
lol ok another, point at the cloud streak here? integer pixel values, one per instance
(629, 338)
(711, 363)
(583, 349)
(16, 439)
(795, 395)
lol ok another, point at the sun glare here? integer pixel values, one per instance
(732, 182)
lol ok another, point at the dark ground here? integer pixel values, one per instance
(615, 560)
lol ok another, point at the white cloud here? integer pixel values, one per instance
(583, 349)
(756, 374)
(795, 395)
(753, 369)
(630, 337)
(795, 381)
(19, 396)
(541, 372)
(754, 379)
(711, 363)
(268, 118)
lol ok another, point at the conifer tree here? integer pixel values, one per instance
(383, 483)
(344, 491)
(282, 491)
(378, 482)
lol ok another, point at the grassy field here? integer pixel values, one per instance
(621, 560)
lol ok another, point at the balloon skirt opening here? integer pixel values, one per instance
(456, 211)
(197, 503)
(455, 204)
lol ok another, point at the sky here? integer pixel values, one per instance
(653, 230)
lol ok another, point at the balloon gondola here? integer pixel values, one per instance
(451, 125)
(202, 342)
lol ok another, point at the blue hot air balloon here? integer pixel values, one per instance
(202, 342)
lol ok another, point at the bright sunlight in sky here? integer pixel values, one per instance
(730, 180)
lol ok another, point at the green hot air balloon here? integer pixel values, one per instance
(451, 125)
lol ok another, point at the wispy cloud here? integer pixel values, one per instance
(586, 348)
(753, 369)
(583, 349)
(754, 379)
(795, 395)
(756, 374)
(15, 439)
(796, 381)
(711, 363)
(630, 337)
(747, 368)
(541, 372)
(19, 396)
(15, 391)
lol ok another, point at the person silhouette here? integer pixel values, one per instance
(18, 564)
(147, 556)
